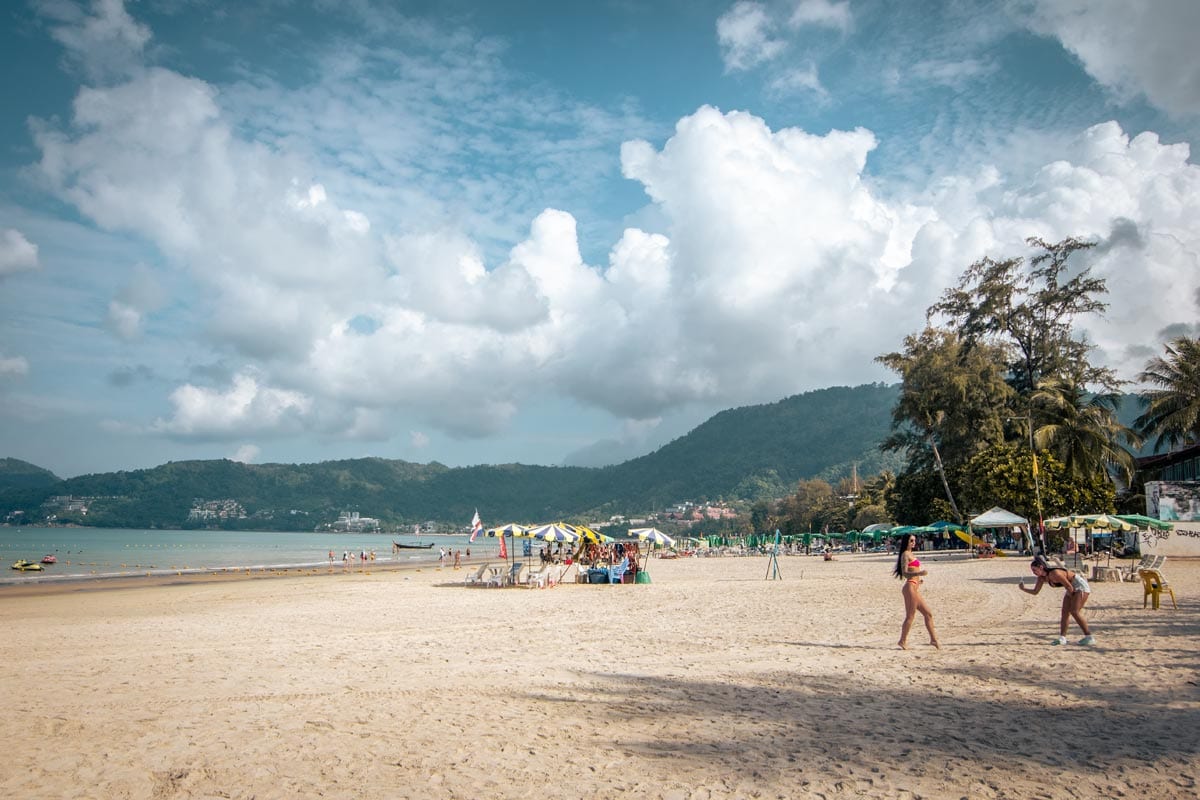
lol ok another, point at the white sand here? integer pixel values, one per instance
(711, 682)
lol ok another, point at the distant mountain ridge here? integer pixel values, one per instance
(740, 454)
(18, 474)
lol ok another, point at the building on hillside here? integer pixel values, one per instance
(353, 522)
(204, 510)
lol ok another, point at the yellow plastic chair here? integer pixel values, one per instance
(1153, 585)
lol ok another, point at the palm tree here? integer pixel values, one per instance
(1082, 429)
(1173, 410)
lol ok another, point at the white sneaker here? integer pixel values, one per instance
(1060, 640)
(1089, 639)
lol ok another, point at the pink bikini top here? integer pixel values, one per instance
(914, 563)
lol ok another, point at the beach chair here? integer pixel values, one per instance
(498, 578)
(539, 578)
(478, 576)
(532, 576)
(1146, 562)
(617, 571)
(1153, 585)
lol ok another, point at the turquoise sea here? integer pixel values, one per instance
(113, 552)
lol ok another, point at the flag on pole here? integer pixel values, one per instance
(476, 526)
(503, 547)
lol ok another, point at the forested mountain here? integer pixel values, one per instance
(18, 474)
(742, 454)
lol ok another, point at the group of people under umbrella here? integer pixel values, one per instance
(586, 547)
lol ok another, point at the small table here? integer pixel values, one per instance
(1104, 574)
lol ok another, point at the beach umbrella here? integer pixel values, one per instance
(1106, 522)
(652, 535)
(1091, 523)
(510, 530)
(1103, 522)
(655, 538)
(1146, 523)
(554, 532)
(591, 536)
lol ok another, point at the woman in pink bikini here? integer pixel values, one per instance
(908, 568)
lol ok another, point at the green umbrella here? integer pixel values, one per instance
(1141, 521)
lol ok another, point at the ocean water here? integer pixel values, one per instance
(114, 552)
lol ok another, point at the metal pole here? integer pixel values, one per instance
(1037, 485)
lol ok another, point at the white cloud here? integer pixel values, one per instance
(790, 81)
(246, 454)
(776, 264)
(16, 252)
(106, 43)
(123, 320)
(745, 35)
(822, 13)
(1145, 49)
(955, 74)
(1136, 196)
(13, 366)
(141, 295)
(245, 407)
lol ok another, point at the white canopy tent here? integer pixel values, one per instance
(997, 517)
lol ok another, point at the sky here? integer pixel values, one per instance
(548, 233)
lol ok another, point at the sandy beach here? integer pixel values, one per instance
(710, 682)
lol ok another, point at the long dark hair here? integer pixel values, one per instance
(902, 548)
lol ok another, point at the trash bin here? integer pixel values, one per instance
(643, 577)
(597, 576)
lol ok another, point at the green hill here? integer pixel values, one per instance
(18, 474)
(741, 454)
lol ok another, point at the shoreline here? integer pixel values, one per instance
(41, 585)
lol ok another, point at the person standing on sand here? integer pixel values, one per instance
(908, 568)
(1077, 593)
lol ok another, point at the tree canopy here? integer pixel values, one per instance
(999, 371)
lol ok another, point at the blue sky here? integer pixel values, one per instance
(526, 232)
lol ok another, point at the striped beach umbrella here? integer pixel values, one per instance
(591, 536)
(652, 535)
(554, 532)
(511, 529)
(1144, 522)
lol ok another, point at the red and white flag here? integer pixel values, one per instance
(476, 526)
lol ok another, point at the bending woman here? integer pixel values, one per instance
(908, 568)
(1077, 593)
